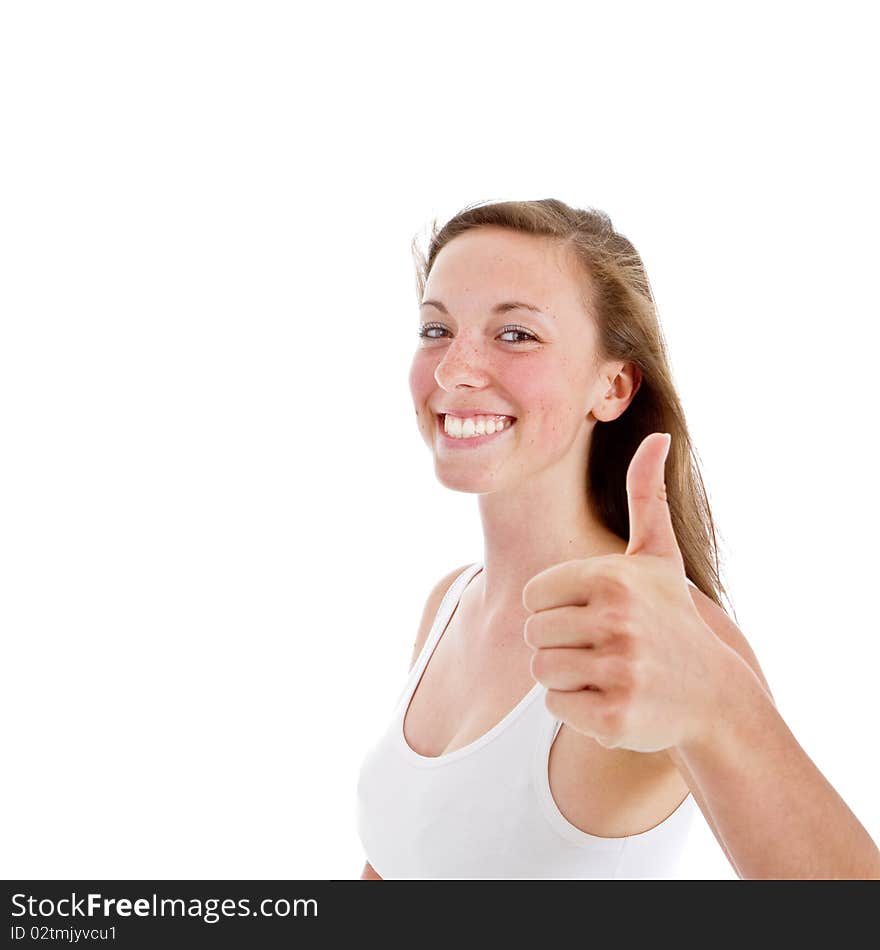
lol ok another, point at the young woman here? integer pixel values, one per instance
(578, 694)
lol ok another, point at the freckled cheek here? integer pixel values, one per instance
(421, 380)
(421, 385)
(554, 414)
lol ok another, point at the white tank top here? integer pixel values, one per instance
(486, 810)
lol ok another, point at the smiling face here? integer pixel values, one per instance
(539, 366)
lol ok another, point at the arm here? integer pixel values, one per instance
(774, 813)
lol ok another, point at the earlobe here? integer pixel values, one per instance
(601, 413)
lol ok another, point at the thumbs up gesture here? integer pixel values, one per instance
(624, 654)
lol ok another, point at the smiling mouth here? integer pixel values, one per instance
(477, 430)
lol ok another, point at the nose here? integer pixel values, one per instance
(463, 364)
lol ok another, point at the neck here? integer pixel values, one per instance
(528, 529)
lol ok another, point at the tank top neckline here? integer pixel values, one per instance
(444, 616)
(447, 608)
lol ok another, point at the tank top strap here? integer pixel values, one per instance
(444, 613)
(441, 619)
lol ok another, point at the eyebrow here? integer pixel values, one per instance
(498, 308)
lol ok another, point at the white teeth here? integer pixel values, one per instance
(476, 425)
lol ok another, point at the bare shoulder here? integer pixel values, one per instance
(369, 873)
(432, 605)
(727, 631)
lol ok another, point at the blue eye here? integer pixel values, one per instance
(424, 334)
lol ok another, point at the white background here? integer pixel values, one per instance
(219, 522)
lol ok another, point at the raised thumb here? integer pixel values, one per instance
(650, 521)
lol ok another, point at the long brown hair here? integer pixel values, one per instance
(619, 295)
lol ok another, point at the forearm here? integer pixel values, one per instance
(777, 814)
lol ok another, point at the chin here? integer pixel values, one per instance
(465, 481)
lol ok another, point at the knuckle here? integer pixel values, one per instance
(629, 682)
(618, 617)
(623, 644)
(612, 718)
(620, 670)
(609, 716)
(616, 584)
(608, 617)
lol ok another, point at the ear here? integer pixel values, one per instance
(619, 392)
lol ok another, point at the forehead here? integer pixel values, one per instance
(486, 264)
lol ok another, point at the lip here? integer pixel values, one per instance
(475, 441)
(470, 413)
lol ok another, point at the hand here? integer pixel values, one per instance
(617, 640)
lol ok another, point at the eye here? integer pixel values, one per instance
(423, 330)
(426, 335)
(523, 332)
